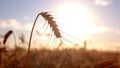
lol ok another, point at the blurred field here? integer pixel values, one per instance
(66, 58)
(53, 58)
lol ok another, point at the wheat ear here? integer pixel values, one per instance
(6, 36)
(51, 23)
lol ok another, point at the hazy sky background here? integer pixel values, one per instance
(19, 15)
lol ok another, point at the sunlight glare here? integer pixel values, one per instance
(75, 18)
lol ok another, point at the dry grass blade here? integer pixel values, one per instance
(52, 24)
(7, 36)
(22, 38)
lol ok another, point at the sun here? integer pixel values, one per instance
(76, 19)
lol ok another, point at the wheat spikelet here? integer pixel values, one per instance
(52, 23)
(7, 36)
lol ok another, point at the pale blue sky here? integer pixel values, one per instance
(24, 11)
(19, 8)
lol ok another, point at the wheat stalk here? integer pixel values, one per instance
(51, 23)
(6, 36)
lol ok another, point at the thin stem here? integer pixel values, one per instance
(15, 44)
(32, 33)
(28, 66)
(14, 39)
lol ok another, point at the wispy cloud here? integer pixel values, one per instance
(14, 24)
(102, 2)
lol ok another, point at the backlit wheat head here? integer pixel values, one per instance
(7, 36)
(51, 23)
